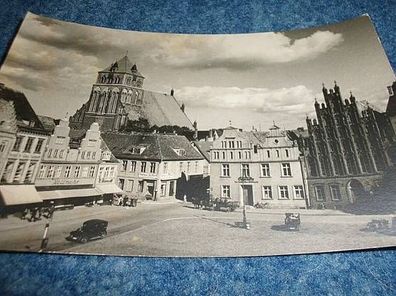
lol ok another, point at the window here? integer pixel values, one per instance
(143, 167)
(77, 170)
(255, 149)
(223, 144)
(224, 154)
(165, 167)
(267, 192)
(19, 170)
(225, 170)
(50, 171)
(188, 166)
(41, 172)
(83, 155)
(29, 173)
(111, 172)
(225, 191)
(286, 170)
(124, 165)
(152, 167)
(61, 153)
(181, 166)
(335, 192)
(232, 144)
(245, 170)
(287, 152)
(121, 183)
(239, 154)
(196, 166)
(3, 145)
(93, 155)
(283, 192)
(88, 154)
(17, 144)
(67, 171)
(265, 170)
(171, 188)
(58, 171)
(55, 153)
(298, 192)
(132, 169)
(231, 155)
(49, 153)
(29, 144)
(91, 171)
(277, 153)
(39, 145)
(320, 193)
(268, 153)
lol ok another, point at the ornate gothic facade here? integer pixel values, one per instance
(345, 149)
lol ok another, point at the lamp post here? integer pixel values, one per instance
(44, 241)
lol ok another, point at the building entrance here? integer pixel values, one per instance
(247, 193)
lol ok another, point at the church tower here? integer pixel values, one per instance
(117, 91)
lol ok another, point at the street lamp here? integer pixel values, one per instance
(44, 241)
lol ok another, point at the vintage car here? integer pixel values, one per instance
(292, 221)
(91, 229)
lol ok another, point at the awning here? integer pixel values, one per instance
(71, 193)
(19, 194)
(109, 188)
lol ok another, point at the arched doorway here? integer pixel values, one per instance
(355, 190)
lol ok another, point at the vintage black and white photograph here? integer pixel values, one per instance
(156, 144)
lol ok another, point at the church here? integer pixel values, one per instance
(118, 96)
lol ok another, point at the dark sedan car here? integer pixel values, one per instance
(91, 229)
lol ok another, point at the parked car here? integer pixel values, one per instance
(91, 229)
(292, 221)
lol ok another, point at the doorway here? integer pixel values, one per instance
(247, 193)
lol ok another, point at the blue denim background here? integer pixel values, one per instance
(350, 273)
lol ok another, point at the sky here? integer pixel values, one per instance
(250, 80)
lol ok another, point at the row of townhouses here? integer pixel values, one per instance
(341, 156)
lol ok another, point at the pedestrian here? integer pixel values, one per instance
(185, 198)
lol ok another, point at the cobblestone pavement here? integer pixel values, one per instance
(177, 229)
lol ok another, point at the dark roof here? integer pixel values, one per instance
(123, 65)
(25, 115)
(204, 148)
(76, 135)
(156, 146)
(47, 122)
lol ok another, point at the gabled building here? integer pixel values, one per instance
(76, 167)
(257, 167)
(345, 151)
(157, 166)
(118, 96)
(22, 142)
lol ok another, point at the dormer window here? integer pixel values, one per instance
(180, 152)
(137, 150)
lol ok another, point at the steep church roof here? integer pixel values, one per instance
(123, 65)
(162, 109)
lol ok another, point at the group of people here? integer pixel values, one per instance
(35, 214)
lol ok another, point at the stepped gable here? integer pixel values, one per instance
(153, 146)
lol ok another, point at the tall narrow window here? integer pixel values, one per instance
(245, 170)
(267, 192)
(143, 167)
(298, 192)
(29, 144)
(320, 193)
(225, 191)
(335, 192)
(39, 145)
(225, 170)
(286, 170)
(265, 170)
(17, 144)
(152, 167)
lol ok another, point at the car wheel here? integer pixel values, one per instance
(83, 240)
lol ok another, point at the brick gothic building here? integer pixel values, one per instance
(345, 150)
(118, 96)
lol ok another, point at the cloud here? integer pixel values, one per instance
(235, 52)
(293, 100)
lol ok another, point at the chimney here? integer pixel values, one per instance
(172, 92)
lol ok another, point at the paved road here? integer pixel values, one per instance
(161, 229)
